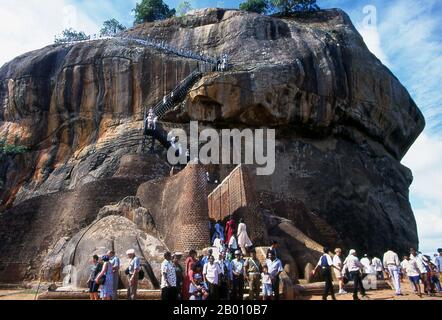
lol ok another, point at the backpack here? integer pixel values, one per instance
(141, 274)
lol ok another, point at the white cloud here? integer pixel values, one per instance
(405, 36)
(425, 160)
(27, 25)
(410, 34)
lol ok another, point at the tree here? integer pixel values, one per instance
(111, 28)
(258, 6)
(70, 35)
(183, 8)
(7, 149)
(152, 10)
(287, 7)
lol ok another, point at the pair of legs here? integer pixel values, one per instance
(327, 276)
(93, 290)
(254, 286)
(416, 285)
(340, 279)
(169, 294)
(213, 291)
(132, 289)
(267, 291)
(238, 287)
(395, 277)
(358, 286)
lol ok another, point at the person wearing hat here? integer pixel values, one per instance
(253, 270)
(198, 288)
(105, 277)
(132, 274)
(354, 267)
(238, 276)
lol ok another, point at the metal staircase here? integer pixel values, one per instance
(166, 104)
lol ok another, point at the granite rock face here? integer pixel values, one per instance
(343, 123)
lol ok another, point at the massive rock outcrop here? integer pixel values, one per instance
(343, 122)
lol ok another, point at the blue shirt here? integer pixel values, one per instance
(274, 267)
(438, 261)
(135, 264)
(227, 266)
(238, 266)
(115, 262)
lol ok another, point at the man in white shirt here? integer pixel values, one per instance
(422, 265)
(412, 271)
(377, 266)
(354, 267)
(365, 261)
(337, 270)
(211, 273)
(275, 268)
(168, 279)
(392, 264)
(325, 264)
(226, 276)
(238, 276)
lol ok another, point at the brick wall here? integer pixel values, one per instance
(178, 204)
(236, 196)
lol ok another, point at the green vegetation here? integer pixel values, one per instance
(152, 10)
(7, 149)
(258, 6)
(69, 35)
(284, 7)
(111, 28)
(288, 7)
(183, 8)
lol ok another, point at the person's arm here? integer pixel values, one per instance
(205, 273)
(102, 273)
(280, 268)
(137, 268)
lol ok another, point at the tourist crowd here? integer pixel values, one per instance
(231, 265)
(419, 269)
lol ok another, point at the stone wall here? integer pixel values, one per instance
(178, 205)
(28, 230)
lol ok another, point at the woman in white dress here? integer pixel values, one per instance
(243, 238)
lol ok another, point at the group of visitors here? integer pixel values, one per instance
(104, 276)
(230, 238)
(231, 266)
(222, 63)
(221, 278)
(417, 267)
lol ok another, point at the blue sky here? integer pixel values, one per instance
(405, 35)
